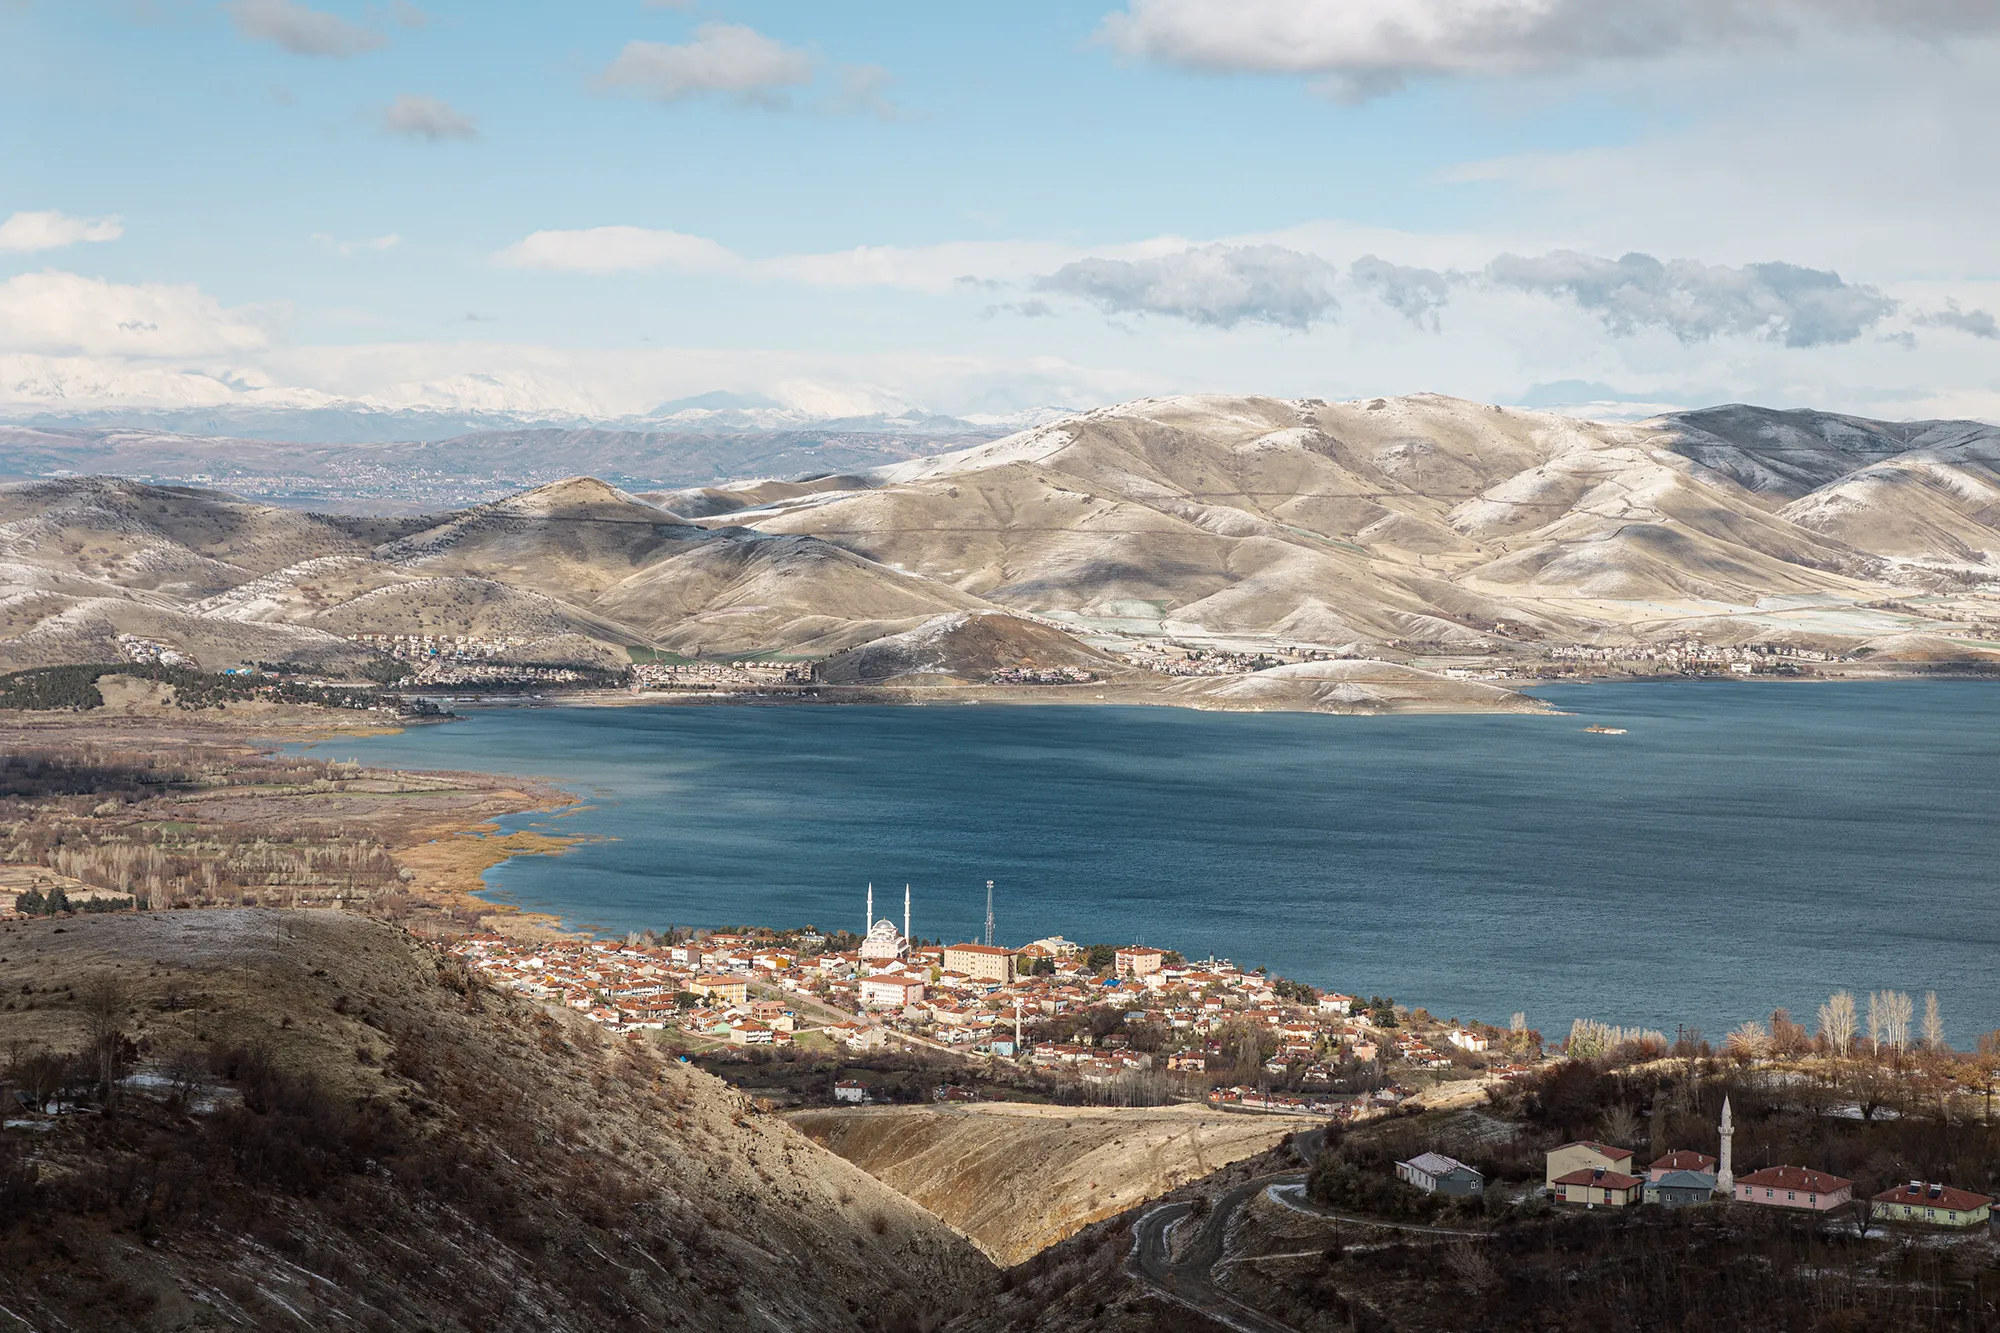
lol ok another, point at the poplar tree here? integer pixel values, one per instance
(1836, 1022)
(1933, 1022)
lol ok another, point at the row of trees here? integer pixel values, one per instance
(1888, 1025)
(1888, 1028)
(74, 688)
(33, 902)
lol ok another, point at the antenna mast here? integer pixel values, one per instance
(989, 913)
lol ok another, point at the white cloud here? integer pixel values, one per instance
(923, 268)
(932, 268)
(65, 314)
(729, 59)
(52, 230)
(1799, 307)
(427, 118)
(1417, 294)
(1858, 159)
(617, 250)
(1217, 285)
(302, 30)
(1978, 323)
(1370, 46)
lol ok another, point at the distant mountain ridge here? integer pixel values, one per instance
(413, 462)
(361, 423)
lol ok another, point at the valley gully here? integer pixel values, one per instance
(1109, 1019)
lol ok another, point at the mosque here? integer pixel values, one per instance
(882, 943)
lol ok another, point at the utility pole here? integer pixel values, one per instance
(989, 913)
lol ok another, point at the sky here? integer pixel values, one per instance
(595, 208)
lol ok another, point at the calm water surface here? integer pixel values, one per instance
(1744, 846)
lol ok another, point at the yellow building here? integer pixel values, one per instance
(1933, 1205)
(729, 990)
(981, 962)
(1586, 1156)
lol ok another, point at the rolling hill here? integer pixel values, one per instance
(1432, 522)
(1406, 529)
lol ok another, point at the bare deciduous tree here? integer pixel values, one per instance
(105, 1002)
(1897, 1012)
(1621, 1126)
(1836, 1022)
(1787, 1037)
(1933, 1022)
(1876, 1020)
(1748, 1042)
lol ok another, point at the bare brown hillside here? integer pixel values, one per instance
(1393, 529)
(1017, 1178)
(1432, 522)
(320, 1124)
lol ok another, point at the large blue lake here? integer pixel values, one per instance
(1744, 846)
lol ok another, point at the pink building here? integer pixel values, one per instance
(1794, 1187)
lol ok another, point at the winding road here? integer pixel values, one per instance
(1190, 1279)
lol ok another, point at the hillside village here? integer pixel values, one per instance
(1124, 1024)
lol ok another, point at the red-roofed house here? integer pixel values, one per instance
(1138, 961)
(892, 991)
(1793, 1187)
(1595, 1187)
(1681, 1159)
(729, 990)
(1586, 1155)
(1933, 1205)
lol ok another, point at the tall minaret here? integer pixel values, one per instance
(1725, 1177)
(870, 923)
(906, 911)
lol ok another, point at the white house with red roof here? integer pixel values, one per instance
(891, 990)
(1681, 1159)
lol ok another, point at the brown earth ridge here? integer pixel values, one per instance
(1388, 536)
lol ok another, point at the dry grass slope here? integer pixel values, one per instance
(337, 1128)
(1018, 1178)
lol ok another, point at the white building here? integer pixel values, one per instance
(883, 942)
(893, 992)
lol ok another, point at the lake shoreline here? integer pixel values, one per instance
(1522, 700)
(1435, 856)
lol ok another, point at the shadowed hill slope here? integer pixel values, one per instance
(331, 1127)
